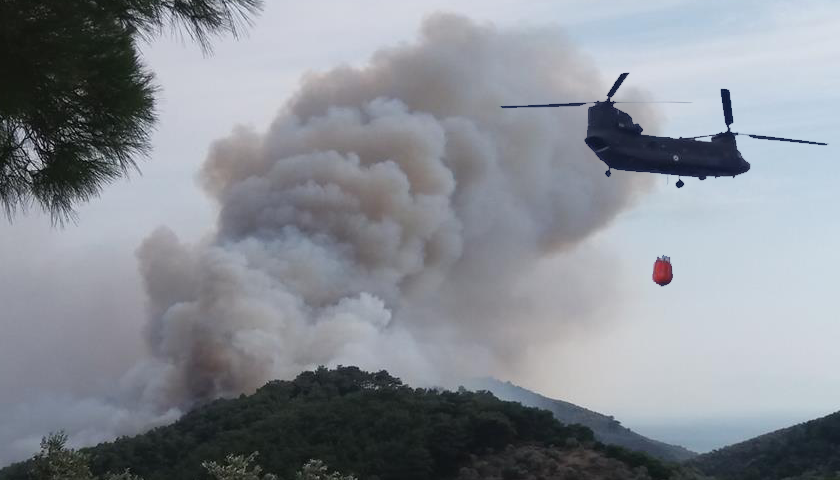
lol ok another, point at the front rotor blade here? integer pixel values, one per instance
(617, 84)
(652, 102)
(548, 105)
(762, 137)
(727, 106)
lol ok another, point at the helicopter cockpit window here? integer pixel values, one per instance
(629, 126)
(625, 122)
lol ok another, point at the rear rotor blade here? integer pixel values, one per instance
(727, 107)
(548, 105)
(617, 84)
(651, 102)
(762, 137)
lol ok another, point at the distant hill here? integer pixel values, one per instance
(606, 428)
(373, 426)
(809, 450)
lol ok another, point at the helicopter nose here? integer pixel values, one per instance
(746, 166)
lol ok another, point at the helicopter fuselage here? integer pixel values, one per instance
(619, 143)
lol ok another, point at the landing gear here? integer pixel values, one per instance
(702, 178)
(680, 183)
(608, 173)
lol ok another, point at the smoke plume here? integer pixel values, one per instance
(387, 217)
(392, 216)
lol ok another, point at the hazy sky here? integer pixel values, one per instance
(746, 333)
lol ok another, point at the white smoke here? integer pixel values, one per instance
(387, 216)
(391, 218)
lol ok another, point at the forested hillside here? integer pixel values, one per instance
(366, 424)
(810, 450)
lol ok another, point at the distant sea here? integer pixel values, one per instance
(705, 435)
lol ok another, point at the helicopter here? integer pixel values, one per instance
(619, 143)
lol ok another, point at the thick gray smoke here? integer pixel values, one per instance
(393, 216)
(388, 218)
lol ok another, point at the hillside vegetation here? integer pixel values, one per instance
(368, 425)
(534, 463)
(807, 451)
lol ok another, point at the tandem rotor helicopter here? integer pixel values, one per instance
(619, 143)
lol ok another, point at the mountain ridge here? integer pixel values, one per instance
(373, 426)
(605, 427)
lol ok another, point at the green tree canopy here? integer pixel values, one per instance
(56, 461)
(366, 425)
(237, 467)
(77, 106)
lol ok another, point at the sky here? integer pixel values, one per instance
(740, 343)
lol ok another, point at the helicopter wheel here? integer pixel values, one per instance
(608, 173)
(680, 184)
(702, 178)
